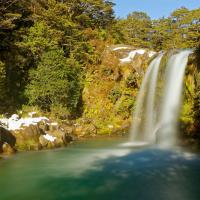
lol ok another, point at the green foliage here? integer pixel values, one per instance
(125, 108)
(197, 103)
(48, 47)
(196, 107)
(40, 38)
(179, 30)
(114, 95)
(30, 29)
(137, 29)
(3, 89)
(132, 81)
(56, 81)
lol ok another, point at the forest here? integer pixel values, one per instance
(48, 48)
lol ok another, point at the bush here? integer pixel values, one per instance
(126, 106)
(196, 107)
(56, 81)
(131, 81)
(114, 95)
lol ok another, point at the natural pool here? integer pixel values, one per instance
(101, 169)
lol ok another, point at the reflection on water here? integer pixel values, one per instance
(101, 170)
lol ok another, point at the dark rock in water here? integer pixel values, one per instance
(7, 149)
(67, 138)
(6, 137)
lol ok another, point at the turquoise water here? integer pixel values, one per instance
(101, 170)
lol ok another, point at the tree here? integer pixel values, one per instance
(41, 38)
(55, 81)
(15, 20)
(3, 89)
(137, 28)
(179, 30)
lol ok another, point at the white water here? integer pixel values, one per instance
(157, 121)
(143, 118)
(170, 109)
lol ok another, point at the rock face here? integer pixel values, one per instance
(6, 137)
(110, 93)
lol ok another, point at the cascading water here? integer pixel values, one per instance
(156, 119)
(170, 109)
(143, 116)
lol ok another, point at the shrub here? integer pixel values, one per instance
(114, 95)
(55, 81)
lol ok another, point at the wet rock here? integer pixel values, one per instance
(67, 139)
(28, 137)
(53, 126)
(7, 149)
(68, 129)
(6, 137)
(43, 141)
(44, 126)
(86, 129)
(32, 131)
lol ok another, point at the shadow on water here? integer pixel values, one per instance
(143, 174)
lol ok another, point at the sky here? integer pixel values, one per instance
(154, 8)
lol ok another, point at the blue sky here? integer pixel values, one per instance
(154, 8)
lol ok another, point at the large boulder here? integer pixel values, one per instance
(28, 137)
(32, 131)
(48, 140)
(6, 137)
(7, 149)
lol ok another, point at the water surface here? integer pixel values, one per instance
(101, 170)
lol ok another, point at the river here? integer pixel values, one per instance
(99, 170)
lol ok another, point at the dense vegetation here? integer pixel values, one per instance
(179, 30)
(48, 48)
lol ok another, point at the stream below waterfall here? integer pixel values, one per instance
(101, 169)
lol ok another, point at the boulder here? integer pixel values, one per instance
(6, 137)
(7, 149)
(43, 141)
(53, 126)
(32, 131)
(67, 139)
(27, 138)
(85, 130)
(49, 141)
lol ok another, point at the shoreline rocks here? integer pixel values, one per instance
(31, 133)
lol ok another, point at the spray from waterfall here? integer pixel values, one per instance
(155, 120)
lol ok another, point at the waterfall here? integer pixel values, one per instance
(171, 105)
(155, 120)
(143, 118)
